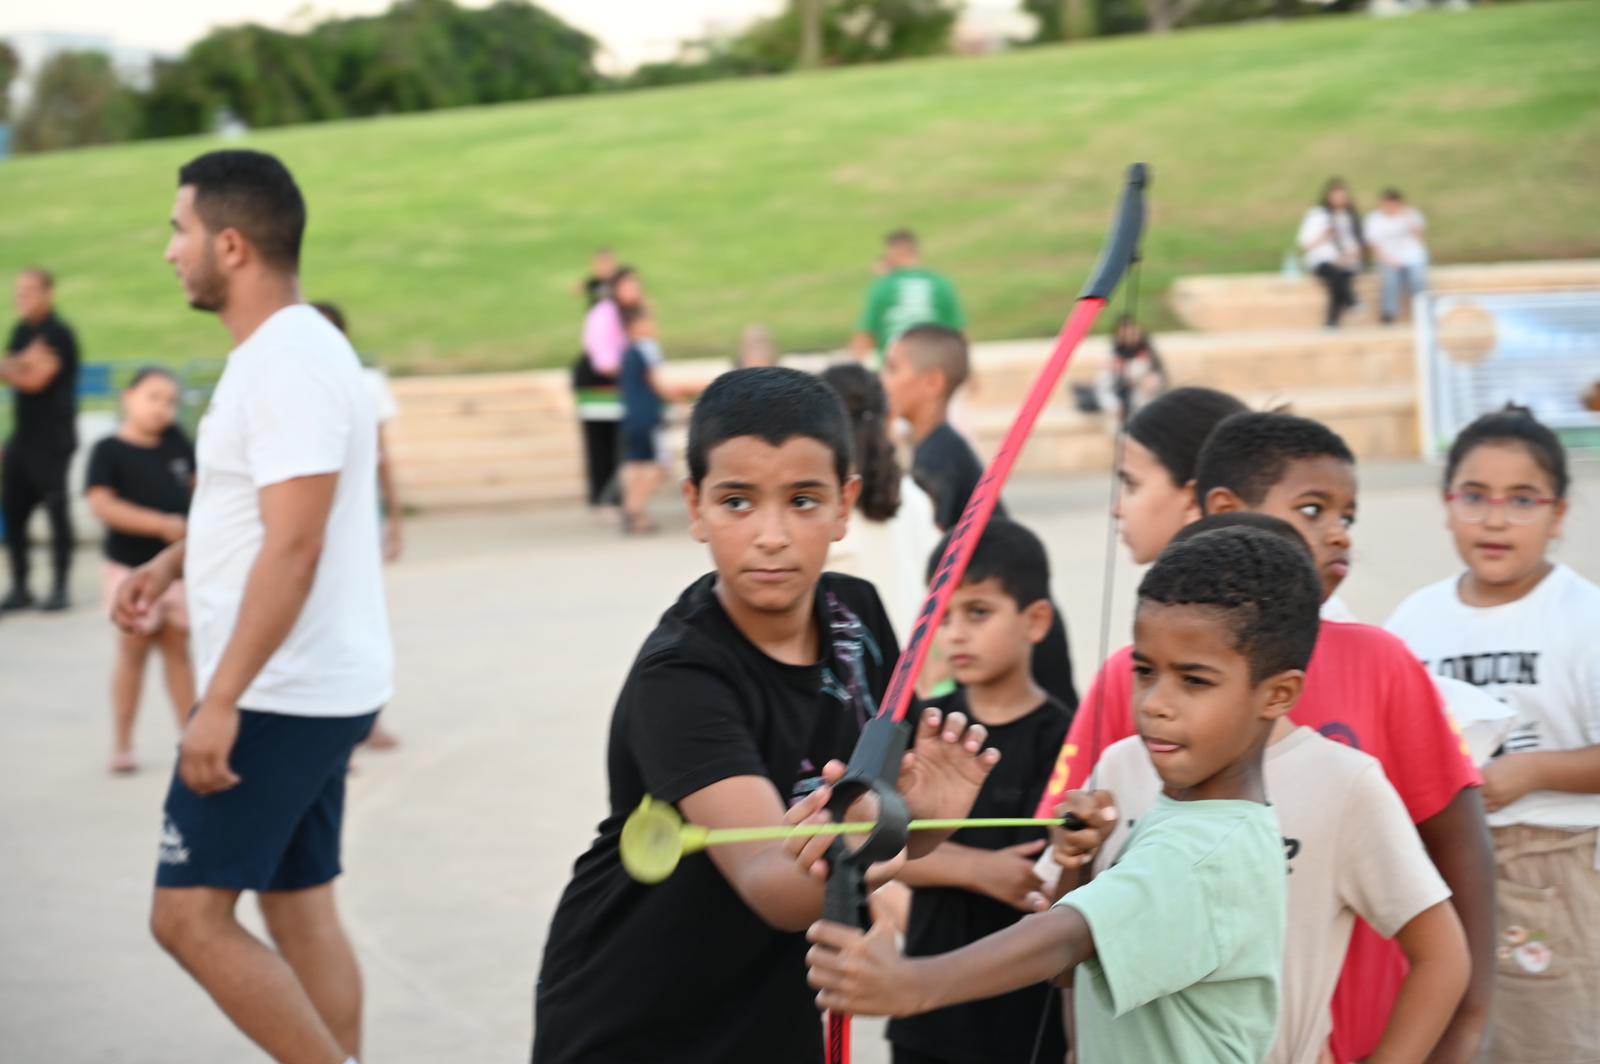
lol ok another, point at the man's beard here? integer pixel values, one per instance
(208, 289)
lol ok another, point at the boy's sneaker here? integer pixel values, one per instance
(19, 599)
(57, 601)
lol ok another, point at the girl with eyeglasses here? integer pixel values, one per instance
(1523, 628)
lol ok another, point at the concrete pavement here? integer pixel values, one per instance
(513, 631)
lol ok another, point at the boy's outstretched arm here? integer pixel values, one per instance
(766, 876)
(864, 973)
(1457, 839)
(1006, 875)
(1436, 947)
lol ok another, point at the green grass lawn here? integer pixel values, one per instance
(454, 239)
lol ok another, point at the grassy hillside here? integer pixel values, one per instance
(454, 238)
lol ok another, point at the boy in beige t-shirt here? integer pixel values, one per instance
(1352, 850)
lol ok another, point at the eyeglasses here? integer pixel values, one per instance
(1473, 506)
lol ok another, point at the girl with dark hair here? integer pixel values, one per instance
(1521, 627)
(1158, 461)
(893, 529)
(1334, 246)
(138, 485)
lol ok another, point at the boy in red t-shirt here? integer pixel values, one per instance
(1363, 688)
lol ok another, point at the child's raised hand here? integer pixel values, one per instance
(858, 972)
(1098, 810)
(946, 766)
(1008, 876)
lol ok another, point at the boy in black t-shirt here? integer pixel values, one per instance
(139, 483)
(751, 687)
(924, 368)
(980, 882)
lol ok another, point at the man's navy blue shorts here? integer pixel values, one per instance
(278, 828)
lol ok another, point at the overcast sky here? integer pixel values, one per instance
(632, 31)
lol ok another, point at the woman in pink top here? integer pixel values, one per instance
(605, 338)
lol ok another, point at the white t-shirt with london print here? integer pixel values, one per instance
(291, 403)
(1538, 656)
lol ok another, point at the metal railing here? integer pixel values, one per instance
(1476, 352)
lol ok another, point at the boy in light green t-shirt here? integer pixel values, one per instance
(1180, 942)
(908, 294)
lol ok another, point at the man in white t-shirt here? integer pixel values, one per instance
(290, 630)
(1394, 232)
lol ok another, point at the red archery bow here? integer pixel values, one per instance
(874, 765)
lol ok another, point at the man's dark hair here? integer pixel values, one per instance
(42, 275)
(1249, 453)
(1008, 554)
(254, 193)
(771, 403)
(1393, 195)
(334, 315)
(1174, 426)
(1514, 425)
(1263, 588)
(900, 237)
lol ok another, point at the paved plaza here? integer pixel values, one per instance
(513, 631)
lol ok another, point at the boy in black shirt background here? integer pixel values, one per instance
(924, 368)
(979, 882)
(752, 685)
(138, 484)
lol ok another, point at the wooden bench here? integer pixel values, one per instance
(1256, 301)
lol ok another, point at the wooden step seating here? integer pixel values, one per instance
(494, 439)
(1361, 382)
(512, 438)
(1271, 301)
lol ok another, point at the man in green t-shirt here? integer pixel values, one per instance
(908, 294)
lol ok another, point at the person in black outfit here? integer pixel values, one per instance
(982, 881)
(595, 390)
(924, 368)
(736, 710)
(1335, 247)
(41, 366)
(138, 484)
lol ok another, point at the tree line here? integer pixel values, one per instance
(426, 54)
